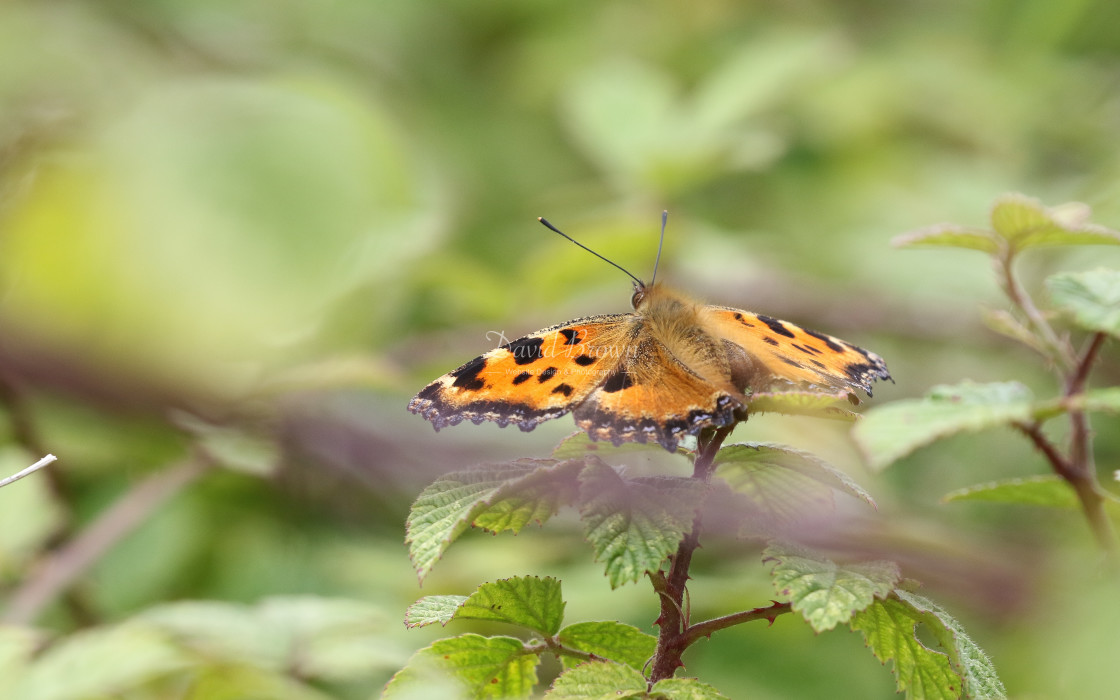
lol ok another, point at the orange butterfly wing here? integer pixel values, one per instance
(789, 352)
(528, 380)
(654, 396)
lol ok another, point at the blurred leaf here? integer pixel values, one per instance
(579, 445)
(1047, 490)
(613, 641)
(1100, 400)
(633, 524)
(890, 432)
(1092, 298)
(326, 638)
(17, 646)
(788, 485)
(802, 403)
(685, 689)
(101, 662)
(233, 448)
(527, 601)
(220, 681)
(1025, 223)
(1050, 491)
(1001, 321)
(825, 593)
(218, 173)
(504, 496)
(485, 667)
(950, 236)
(433, 608)
(598, 680)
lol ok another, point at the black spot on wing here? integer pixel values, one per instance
(768, 339)
(617, 382)
(745, 322)
(525, 350)
(466, 377)
(562, 389)
(820, 364)
(828, 341)
(585, 360)
(571, 336)
(546, 375)
(524, 376)
(807, 349)
(776, 326)
(792, 363)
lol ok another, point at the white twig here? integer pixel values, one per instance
(30, 470)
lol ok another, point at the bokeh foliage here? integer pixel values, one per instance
(252, 230)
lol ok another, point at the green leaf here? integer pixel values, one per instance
(433, 608)
(685, 689)
(1091, 298)
(890, 432)
(527, 601)
(980, 679)
(633, 524)
(498, 497)
(803, 403)
(484, 667)
(598, 680)
(950, 236)
(787, 485)
(824, 592)
(1025, 223)
(1049, 491)
(888, 628)
(959, 669)
(613, 641)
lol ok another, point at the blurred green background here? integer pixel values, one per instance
(253, 230)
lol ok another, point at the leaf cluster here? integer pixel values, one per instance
(637, 525)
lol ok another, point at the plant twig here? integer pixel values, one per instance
(58, 571)
(708, 627)
(28, 471)
(672, 639)
(1061, 353)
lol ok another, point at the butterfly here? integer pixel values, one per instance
(671, 368)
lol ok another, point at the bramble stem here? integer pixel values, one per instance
(1077, 468)
(674, 638)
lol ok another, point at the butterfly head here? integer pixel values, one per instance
(641, 291)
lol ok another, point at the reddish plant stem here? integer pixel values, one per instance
(673, 638)
(1077, 468)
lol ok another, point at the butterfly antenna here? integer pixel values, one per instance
(556, 230)
(660, 243)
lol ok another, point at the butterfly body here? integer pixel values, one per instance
(671, 368)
